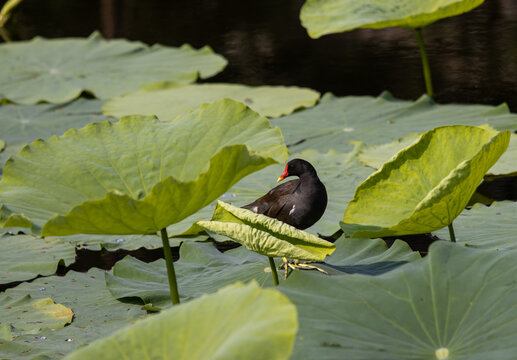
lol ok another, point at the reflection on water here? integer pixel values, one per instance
(473, 56)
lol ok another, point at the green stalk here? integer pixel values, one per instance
(425, 62)
(173, 286)
(273, 270)
(451, 233)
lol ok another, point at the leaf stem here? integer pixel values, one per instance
(425, 62)
(173, 286)
(273, 270)
(451, 233)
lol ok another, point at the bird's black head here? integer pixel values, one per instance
(297, 167)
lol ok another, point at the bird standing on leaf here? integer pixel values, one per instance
(300, 202)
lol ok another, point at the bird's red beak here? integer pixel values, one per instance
(284, 175)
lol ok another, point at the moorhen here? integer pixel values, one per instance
(299, 202)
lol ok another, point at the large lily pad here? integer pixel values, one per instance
(24, 257)
(168, 100)
(265, 235)
(425, 186)
(28, 315)
(335, 121)
(138, 175)
(201, 269)
(96, 315)
(22, 124)
(456, 303)
(59, 70)
(239, 322)
(322, 17)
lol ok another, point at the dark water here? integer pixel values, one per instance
(473, 56)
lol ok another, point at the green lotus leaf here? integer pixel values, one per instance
(58, 70)
(96, 315)
(486, 227)
(2, 145)
(28, 315)
(168, 100)
(265, 235)
(138, 175)
(238, 322)
(24, 257)
(321, 17)
(22, 124)
(201, 269)
(456, 301)
(425, 186)
(379, 120)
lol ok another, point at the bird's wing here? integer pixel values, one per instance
(272, 203)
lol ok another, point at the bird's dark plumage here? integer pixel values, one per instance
(299, 202)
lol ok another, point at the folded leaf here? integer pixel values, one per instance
(265, 235)
(425, 186)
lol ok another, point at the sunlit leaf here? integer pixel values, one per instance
(265, 235)
(27, 314)
(168, 100)
(58, 70)
(425, 186)
(238, 322)
(138, 175)
(322, 17)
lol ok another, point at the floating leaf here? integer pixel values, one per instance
(265, 235)
(369, 256)
(24, 257)
(168, 100)
(22, 124)
(28, 314)
(138, 175)
(425, 186)
(96, 315)
(456, 300)
(334, 16)
(506, 165)
(201, 269)
(379, 120)
(58, 70)
(239, 322)
(97, 242)
(486, 227)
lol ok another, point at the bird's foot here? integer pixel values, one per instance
(290, 265)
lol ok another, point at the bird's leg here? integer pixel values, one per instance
(296, 264)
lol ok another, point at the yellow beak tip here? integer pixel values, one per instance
(280, 179)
